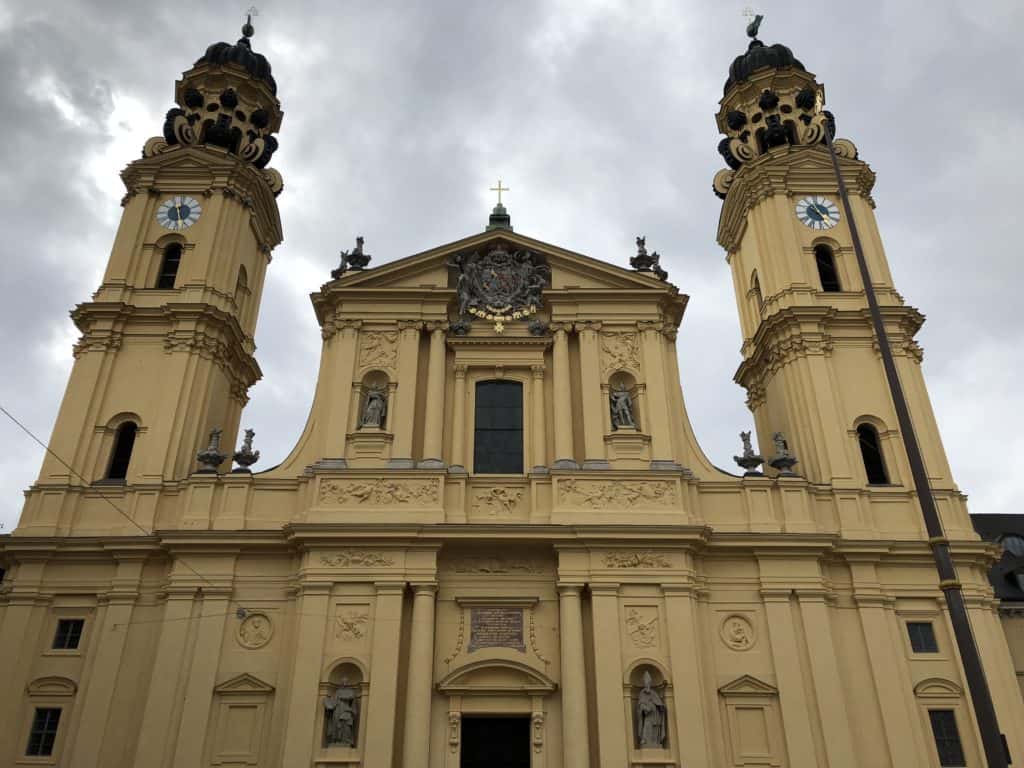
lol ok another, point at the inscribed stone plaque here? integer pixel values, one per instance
(496, 627)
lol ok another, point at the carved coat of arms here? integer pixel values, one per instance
(500, 285)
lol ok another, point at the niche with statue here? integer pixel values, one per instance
(369, 441)
(628, 446)
(341, 707)
(650, 707)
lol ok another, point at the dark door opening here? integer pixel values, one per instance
(495, 742)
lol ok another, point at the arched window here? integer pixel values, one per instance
(498, 434)
(871, 452)
(755, 289)
(827, 272)
(169, 267)
(124, 441)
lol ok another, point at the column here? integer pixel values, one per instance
(433, 428)
(540, 462)
(563, 402)
(157, 721)
(611, 721)
(195, 715)
(380, 711)
(691, 721)
(835, 723)
(304, 697)
(342, 348)
(575, 738)
(594, 404)
(405, 406)
(420, 688)
(657, 400)
(458, 463)
(796, 719)
(110, 638)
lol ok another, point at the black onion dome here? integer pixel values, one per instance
(760, 56)
(255, 64)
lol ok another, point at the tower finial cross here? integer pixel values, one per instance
(247, 28)
(754, 21)
(499, 189)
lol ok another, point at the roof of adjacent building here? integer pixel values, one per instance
(1007, 576)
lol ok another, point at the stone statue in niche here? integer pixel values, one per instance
(341, 715)
(375, 408)
(621, 402)
(650, 716)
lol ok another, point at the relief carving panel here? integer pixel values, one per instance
(642, 626)
(620, 351)
(613, 494)
(351, 623)
(356, 558)
(379, 493)
(636, 560)
(378, 349)
(500, 501)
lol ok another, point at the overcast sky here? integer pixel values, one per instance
(598, 115)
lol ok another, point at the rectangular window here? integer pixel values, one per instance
(922, 637)
(44, 732)
(947, 738)
(69, 633)
(498, 431)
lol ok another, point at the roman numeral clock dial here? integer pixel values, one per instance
(179, 212)
(817, 212)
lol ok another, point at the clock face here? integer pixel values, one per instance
(817, 212)
(178, 212)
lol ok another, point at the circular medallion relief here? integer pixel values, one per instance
(738, 633)
(255, 631)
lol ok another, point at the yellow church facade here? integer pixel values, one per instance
(497, 541)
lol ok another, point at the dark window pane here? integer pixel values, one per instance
(498, 432)
(947, 738)
(871, 452)
(69, 633)
(922, 637)
(826, 268)
(169, 267)
(44, 732)
(124, 442)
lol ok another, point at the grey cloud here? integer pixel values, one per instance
(399, 115)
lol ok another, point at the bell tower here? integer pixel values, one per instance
(811, 364)
(166, 347)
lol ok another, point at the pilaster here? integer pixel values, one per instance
(405, 396)
(611, 723)
(593, 402)
(458, 459)
(381, 711)
(562, 401)
(538, 427)
(684, 650)
(311, 624)
(419, 689)
(575, 735)
(433, 428)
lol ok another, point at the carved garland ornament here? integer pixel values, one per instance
(379, 493)
(605, 494)
(495, 564)
(636, 560)
(356, 558)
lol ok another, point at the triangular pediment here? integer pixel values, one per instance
(748, 685)
(244, 683)
(569, 270)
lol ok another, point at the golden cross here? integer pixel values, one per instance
(499, 189)
(748, 13)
